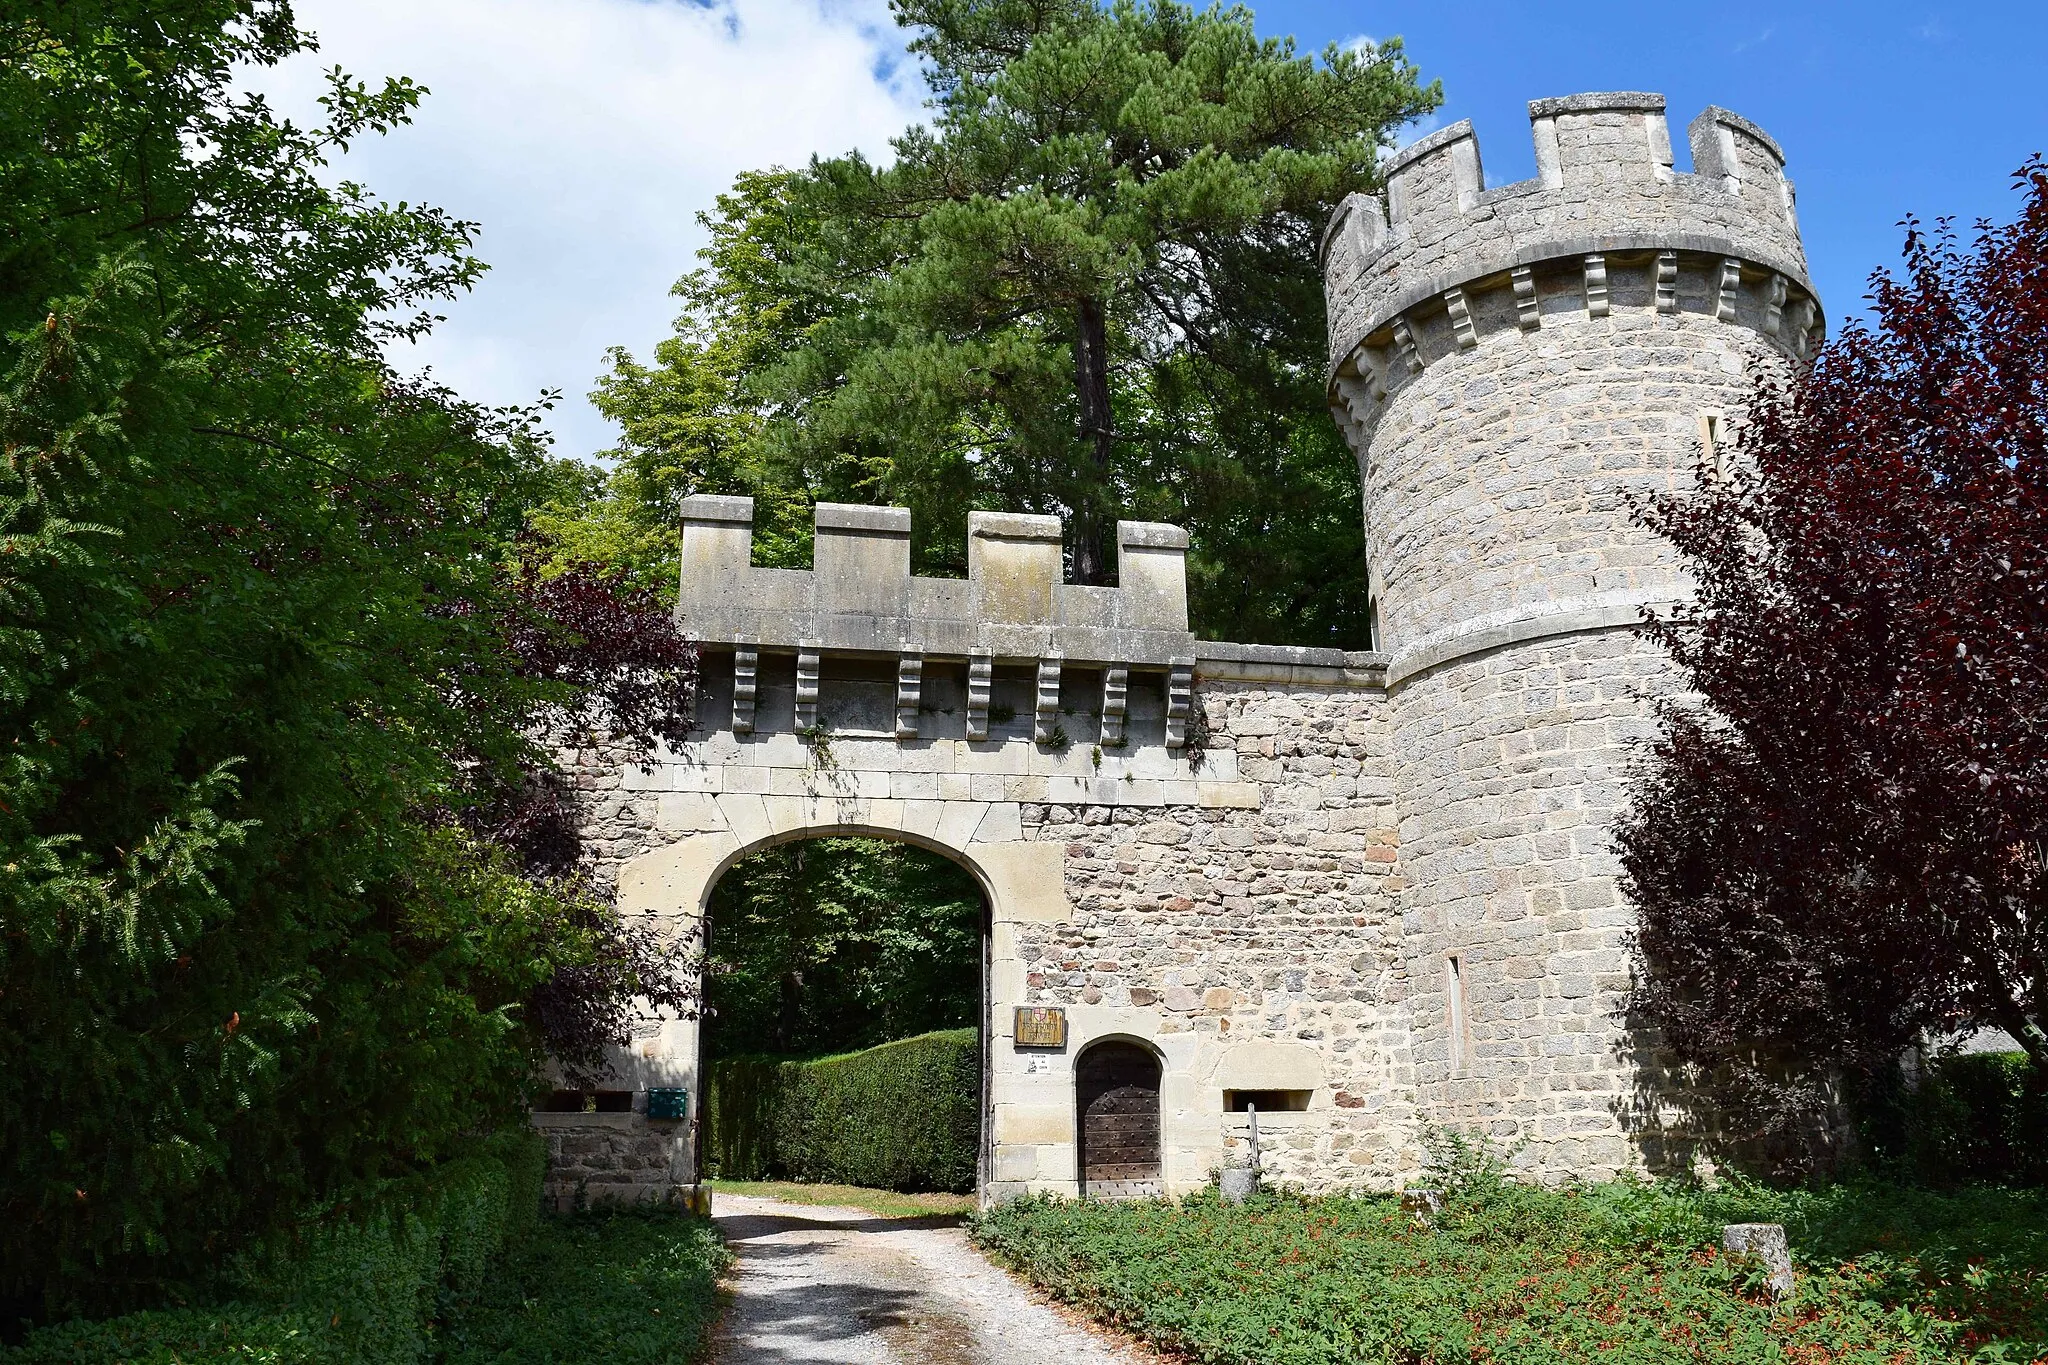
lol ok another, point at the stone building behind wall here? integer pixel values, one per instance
(1373, 890)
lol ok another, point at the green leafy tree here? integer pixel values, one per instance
(272, 675)
(835, 944)
(1089, 287)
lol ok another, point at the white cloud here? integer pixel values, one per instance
(1415, 130)
(585, 135)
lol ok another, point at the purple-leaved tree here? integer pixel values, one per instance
(1837, 841)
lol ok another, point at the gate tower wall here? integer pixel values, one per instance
(1510, 365)
(1379, 883)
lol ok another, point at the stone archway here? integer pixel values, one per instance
(831, 943)
(1022, 882)
(1199, 879)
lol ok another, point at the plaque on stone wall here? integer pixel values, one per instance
(1041, 1026)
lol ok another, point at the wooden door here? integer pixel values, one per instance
(1117, 1089)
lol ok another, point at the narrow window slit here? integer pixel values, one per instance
(1454, 982)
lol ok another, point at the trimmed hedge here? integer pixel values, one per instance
(363, 1292)
(903, 1116)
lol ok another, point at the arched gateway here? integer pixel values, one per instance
(1372, 891)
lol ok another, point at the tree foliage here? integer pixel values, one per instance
(1088, 287)
(836, 944)
(275, 679)
(1838, 844)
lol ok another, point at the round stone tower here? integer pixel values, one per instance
(1507, 363)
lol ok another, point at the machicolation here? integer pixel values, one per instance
(1383, 886)
(1605, 220)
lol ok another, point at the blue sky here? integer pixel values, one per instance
(586, 134)
(1883, 109)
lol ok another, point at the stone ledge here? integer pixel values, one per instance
(1610, 611)
(848, 516)
(629, 1122)
(1595, 101)
(1305, 665)
(1423, 146)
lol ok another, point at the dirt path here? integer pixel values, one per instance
(835, 1285)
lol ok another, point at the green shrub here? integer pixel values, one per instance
(1971, 1118)
(623, 1286)
(351, 1290)
(1622, 1271)
(740, 1099)
(902, 1116)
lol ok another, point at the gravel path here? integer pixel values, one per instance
(835, 1285)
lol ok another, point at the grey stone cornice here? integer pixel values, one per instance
(1298, 665)
(1567, 247)
(1518, 625)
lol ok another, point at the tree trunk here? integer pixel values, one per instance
(1093, 520)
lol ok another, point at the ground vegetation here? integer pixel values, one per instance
(371, 1285)
(608, 1286)
(1627, 1271)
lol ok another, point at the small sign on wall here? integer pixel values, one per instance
(1040, 1026)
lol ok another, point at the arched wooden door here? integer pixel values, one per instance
(1117, 1093)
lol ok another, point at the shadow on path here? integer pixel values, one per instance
(740, 1227)
(812, 1287)
(831, 1286)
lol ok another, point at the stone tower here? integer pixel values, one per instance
(1507, 363)
(1362, 893)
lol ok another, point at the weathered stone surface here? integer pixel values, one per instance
(1766, 1242)
(613, 1158)
(1382, 878)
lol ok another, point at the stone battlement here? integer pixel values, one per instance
(860, 596)
(1377, 892)
(1605, 185)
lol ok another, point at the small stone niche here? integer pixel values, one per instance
(587, 1102)
(1266, 1101)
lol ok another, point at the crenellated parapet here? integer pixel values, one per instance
(1607, 222)
(860, 595)
(860, 600)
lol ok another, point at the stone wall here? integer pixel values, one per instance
(613, 1159)
(1221, 931)
(1533, 514)
(1294, 938)
(1385, 880)
(1511, 774)
(1235, 910)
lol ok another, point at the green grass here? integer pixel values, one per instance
(621, 1287)
(1622, 1272)
(883, 1203)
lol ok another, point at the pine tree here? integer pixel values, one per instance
(1088, 287)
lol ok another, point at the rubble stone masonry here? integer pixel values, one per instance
(1379, 880)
